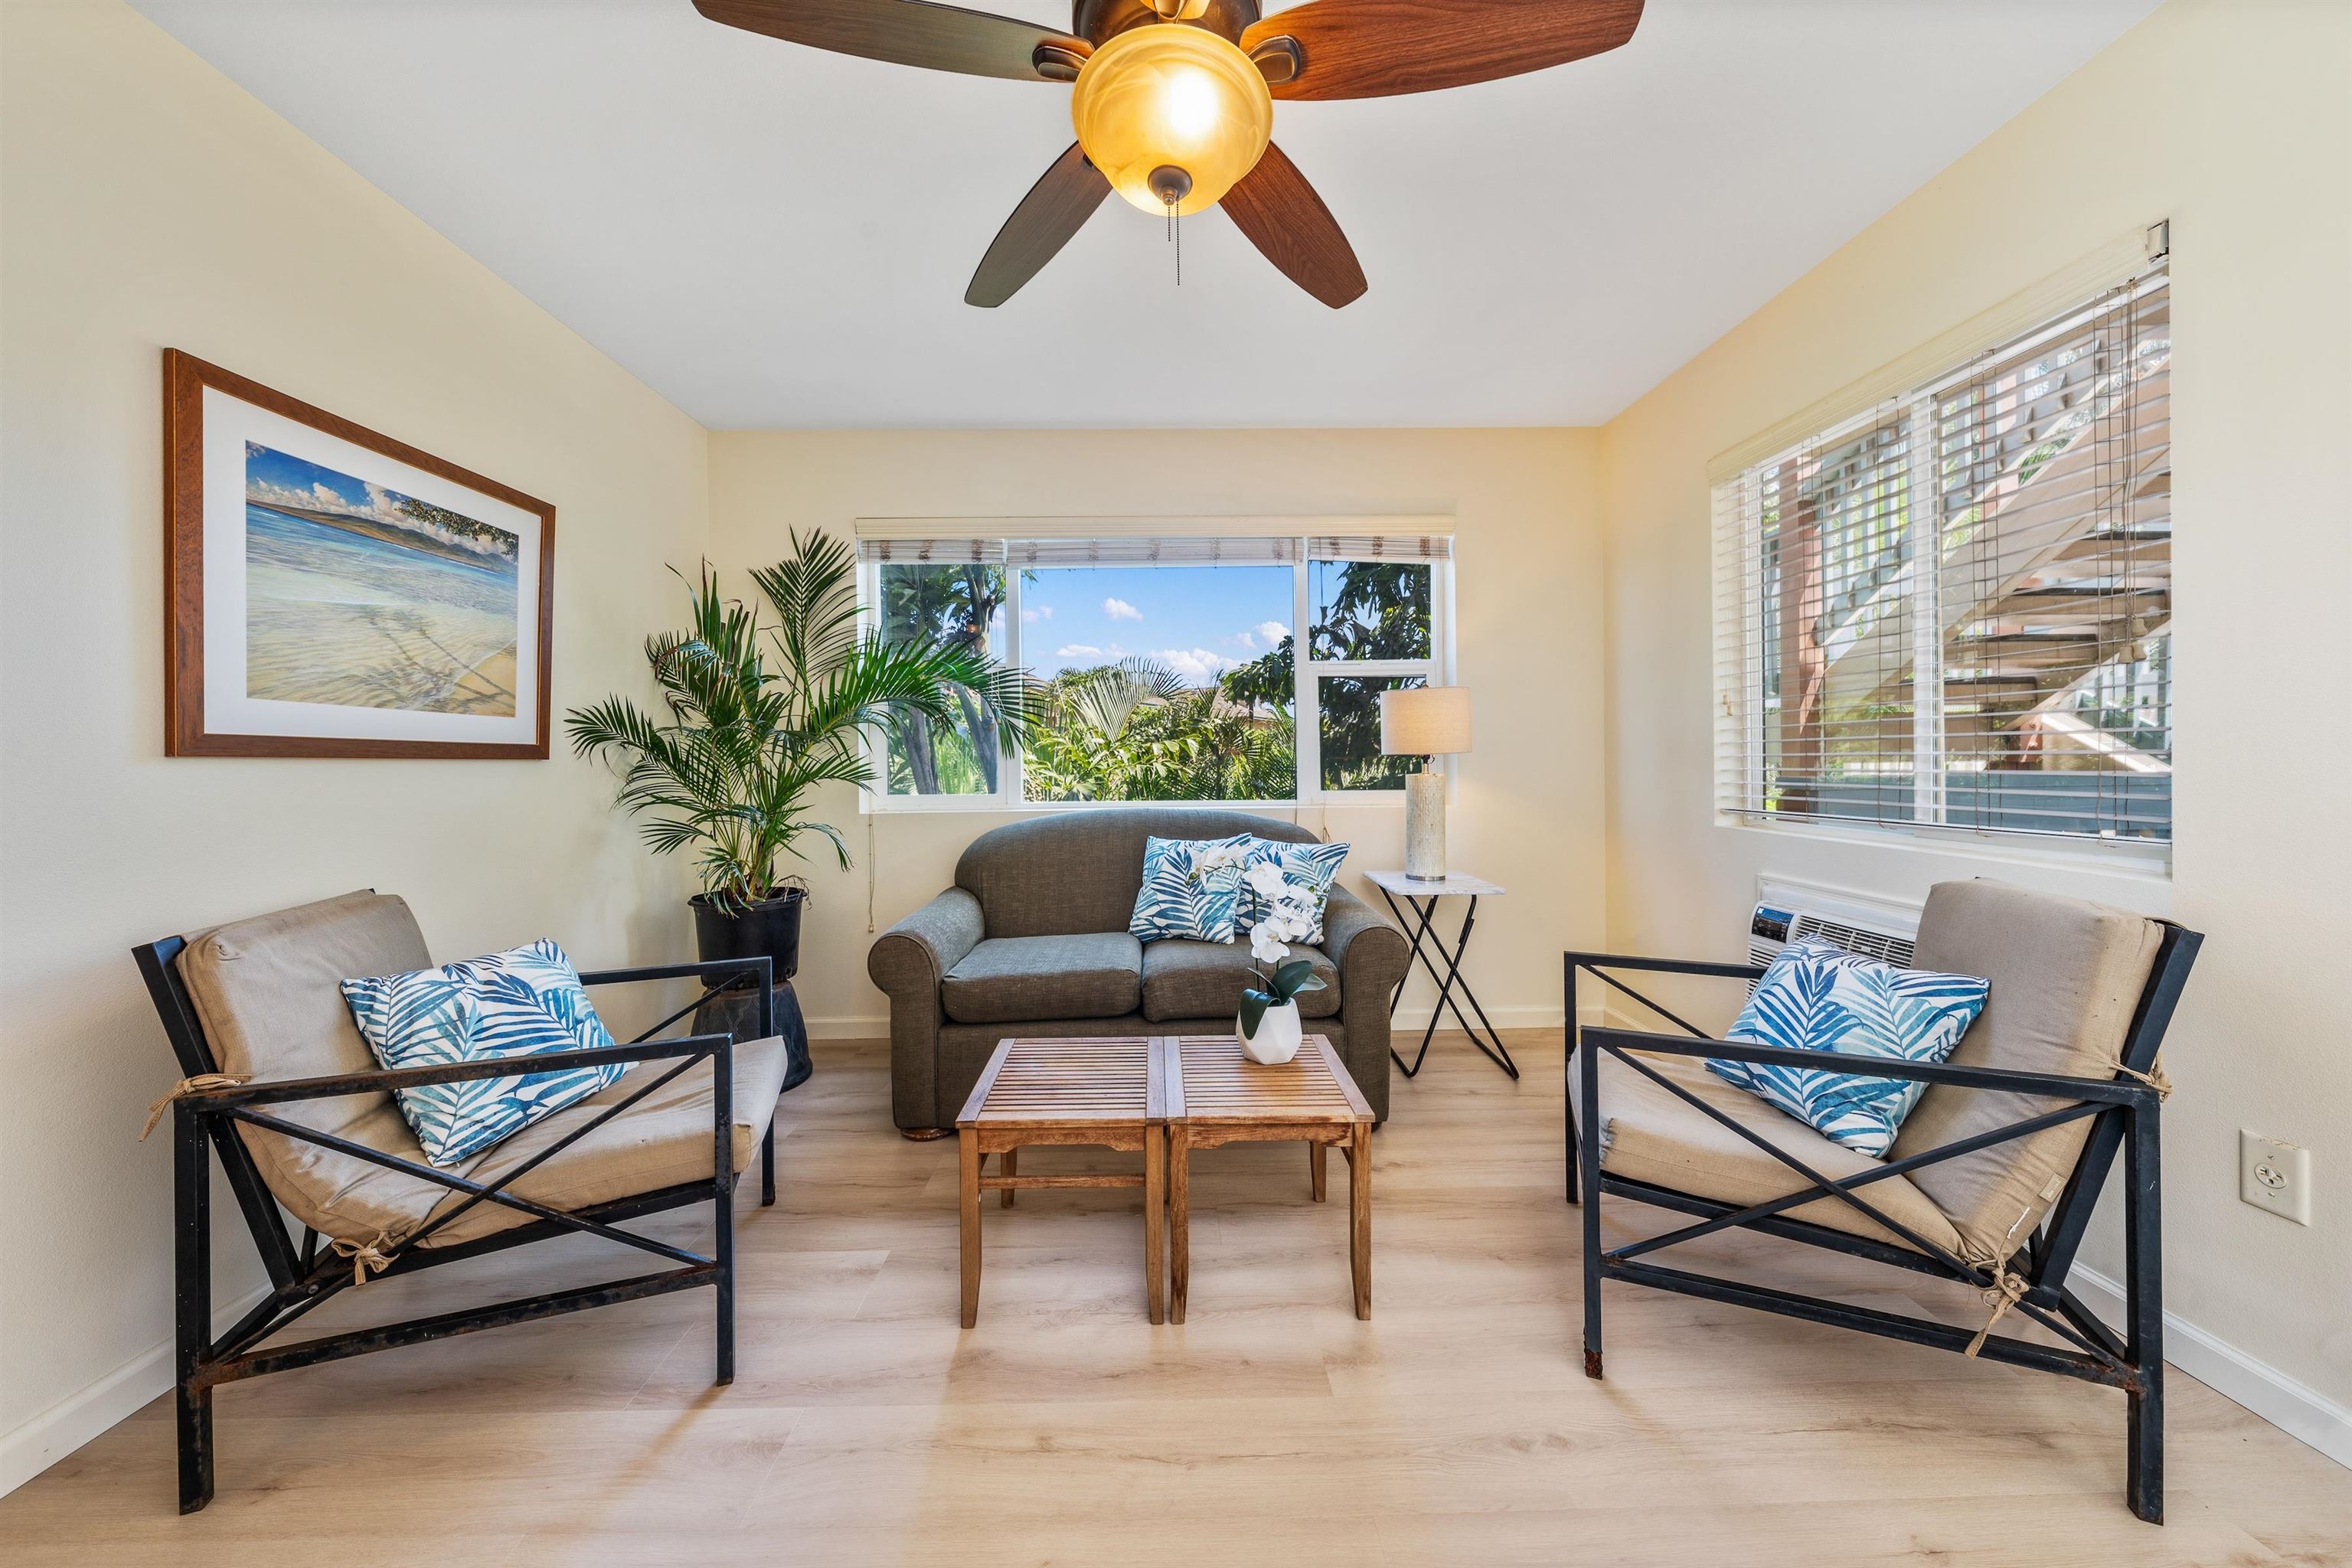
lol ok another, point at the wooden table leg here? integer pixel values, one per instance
(1011, 1163)
(1179, 1219)
(1315, 1167)
(1359, 1218)
(968, 1220)
(1155, 1223)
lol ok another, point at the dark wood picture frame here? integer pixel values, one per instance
(185, 732)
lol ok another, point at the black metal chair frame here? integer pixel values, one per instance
(303, 1277)
(2124, 1113)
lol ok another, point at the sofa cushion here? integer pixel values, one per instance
(1206, 980)
(2066, 977)
(1650, 1134)
(1092, 974)
(1309, 868)
(1079, 871)
(1190, 889)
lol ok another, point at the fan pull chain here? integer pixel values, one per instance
(1175, 233)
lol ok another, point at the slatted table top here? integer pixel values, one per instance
(1091, 1080)
(1211, 1081)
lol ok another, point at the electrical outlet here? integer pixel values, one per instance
(2274, 1177)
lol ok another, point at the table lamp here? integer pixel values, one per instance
(1425, 722)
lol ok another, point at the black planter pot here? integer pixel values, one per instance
(770, 929)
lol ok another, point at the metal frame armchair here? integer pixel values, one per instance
(208, 1109)
(2122, 1113)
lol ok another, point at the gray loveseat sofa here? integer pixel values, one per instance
(1032, 940)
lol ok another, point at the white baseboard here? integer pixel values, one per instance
(74, 1420)
(878, 1026)
(2300, 1412)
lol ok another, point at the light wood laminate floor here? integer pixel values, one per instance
(1454, 1427)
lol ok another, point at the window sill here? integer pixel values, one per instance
(979, 806)
(2148, 863)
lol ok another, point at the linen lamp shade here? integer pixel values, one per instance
(1425, 721)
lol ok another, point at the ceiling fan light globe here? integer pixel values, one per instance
(1168, 95)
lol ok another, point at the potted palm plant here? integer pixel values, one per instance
(757, 718)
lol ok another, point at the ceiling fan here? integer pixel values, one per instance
(1173, 98)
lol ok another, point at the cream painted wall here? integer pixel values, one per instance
(150, 202)
(2233, 121)
(1526, 807)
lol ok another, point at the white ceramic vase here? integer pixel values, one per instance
(1277, 1037)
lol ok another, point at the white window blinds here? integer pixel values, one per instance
(1954, 610)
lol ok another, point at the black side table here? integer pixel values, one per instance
(1420, 896)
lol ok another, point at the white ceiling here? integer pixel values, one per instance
(772, 236)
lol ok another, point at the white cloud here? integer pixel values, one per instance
(1040, 612)
(1244, 638)
(1120, 610)
(1078, 650)
(1272, 632)
(1198, 666)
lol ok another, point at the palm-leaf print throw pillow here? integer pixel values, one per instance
(1190, 889)
(1312, 868)
(517, 1003)
(1817, 996)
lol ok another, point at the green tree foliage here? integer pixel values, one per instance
(1366, 610)
(954, 607)
(1134, 730)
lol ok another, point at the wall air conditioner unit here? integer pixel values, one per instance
(1788, 909)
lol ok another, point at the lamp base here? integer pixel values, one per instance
(1424, 826)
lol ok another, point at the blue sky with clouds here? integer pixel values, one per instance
(1201, 620)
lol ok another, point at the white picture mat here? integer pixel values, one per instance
(230, 423)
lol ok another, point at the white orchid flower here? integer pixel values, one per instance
(1266, 943)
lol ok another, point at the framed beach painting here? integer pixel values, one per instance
(335, 593)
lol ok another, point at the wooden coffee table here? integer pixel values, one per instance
(1107, 1091)
(1216, 1094)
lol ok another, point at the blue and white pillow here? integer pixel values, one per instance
(517, 1003)
(1192, 887)
(1312, 868)
(1817, 996)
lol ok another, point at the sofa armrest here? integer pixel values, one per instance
(908, 961)
(1360, 940)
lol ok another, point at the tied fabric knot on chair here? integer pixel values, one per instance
(367, 1257)
(2008, 1289)
(181, 1090)
(2154, 1077)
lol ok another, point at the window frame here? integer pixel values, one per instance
(1307, 674)
(1740, 667)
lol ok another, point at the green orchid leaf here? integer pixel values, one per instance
(1254, 1006)
(1291, 978)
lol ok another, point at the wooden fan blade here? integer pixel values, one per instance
(1370, 49)
(1283, 217)
(908, 33)
(1056, 207)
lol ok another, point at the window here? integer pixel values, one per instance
(1953, 611)
(1164, 668)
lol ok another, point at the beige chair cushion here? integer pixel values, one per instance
(663, 1140)
(268, 994)
(1647, 1134)
(2067, 978)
